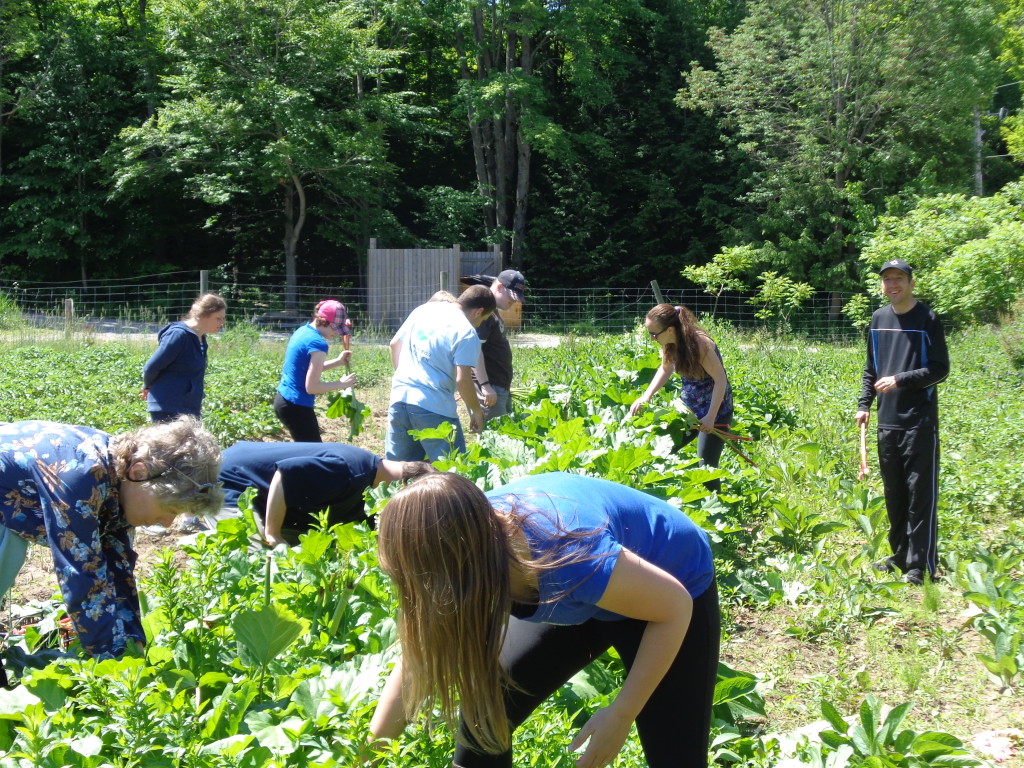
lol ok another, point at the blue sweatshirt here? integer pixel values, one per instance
(174, 373)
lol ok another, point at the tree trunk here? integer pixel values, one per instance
(293, 223)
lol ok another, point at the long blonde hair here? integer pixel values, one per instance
(451, 556)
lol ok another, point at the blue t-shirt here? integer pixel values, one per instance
(436, 337)
(301, 345)
(57, 488)
(618, 517)
(314, 476)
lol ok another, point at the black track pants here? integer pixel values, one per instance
(675, 723)
(909, 463)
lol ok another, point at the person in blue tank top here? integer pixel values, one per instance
(687, 350)
(305, 360)
(505, 596)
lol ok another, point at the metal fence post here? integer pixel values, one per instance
(204, 282)
(444, 281)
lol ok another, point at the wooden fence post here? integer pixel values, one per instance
(204, 282)
(444, 281)
(658, 299)
(69, 316)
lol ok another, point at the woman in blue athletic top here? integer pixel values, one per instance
(305, 360)
(505, 596)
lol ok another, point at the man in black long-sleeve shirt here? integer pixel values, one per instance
(906, 358)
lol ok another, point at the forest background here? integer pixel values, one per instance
(599, 142)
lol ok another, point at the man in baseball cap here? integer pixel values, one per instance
(513, 282)
(493, 371)
(906, 358)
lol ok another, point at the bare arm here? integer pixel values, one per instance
(713, 367)
(276, 508)
(317, 365)
(341, 359)
(480, 369)
(659, 380)
(389, 717)
(464, 383)
(396, 351)
(640, 590)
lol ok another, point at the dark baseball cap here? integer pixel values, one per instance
(515, 283)
(899, 264)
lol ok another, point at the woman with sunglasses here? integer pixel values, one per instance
(81, 491)
(688, 350)
(504, 596)
(305, 360)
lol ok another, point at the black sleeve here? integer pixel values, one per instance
(937, 367)
(868, 379)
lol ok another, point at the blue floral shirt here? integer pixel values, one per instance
(57, 488)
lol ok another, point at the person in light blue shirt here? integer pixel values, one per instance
(433, 354)
(504, 596)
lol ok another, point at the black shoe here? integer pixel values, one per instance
(914, 576)
(885, 566)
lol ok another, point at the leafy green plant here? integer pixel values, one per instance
(875, 740)
(343, 404)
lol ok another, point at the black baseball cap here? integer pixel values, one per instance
(899, 264)
(514, 281)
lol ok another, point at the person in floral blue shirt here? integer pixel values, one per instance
(80, 491)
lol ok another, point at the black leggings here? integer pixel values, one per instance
(673, 726)
(299, 420)
(709, 450)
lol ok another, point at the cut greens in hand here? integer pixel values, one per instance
(343, 403)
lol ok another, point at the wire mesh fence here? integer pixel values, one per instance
(144, 303)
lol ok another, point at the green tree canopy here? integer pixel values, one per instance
(267, 101)
(967, 252)
(840, 104)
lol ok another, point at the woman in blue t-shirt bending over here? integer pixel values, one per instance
(572, 565)
(305, 360)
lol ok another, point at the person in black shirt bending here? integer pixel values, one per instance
(906, 358)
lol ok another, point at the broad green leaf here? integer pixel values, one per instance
(267, 632)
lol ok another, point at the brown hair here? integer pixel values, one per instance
(685, 356)
(207, 304)
(413, 470)
(478, 297)
(451, 557)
